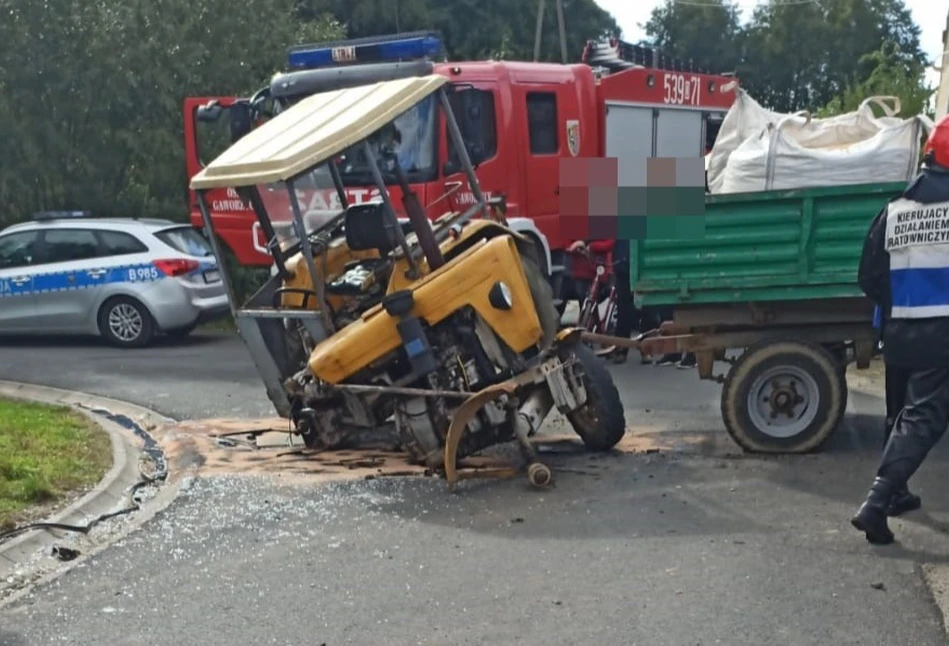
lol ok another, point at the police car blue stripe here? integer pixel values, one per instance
(62, 281)
(920, 287)
(9, 287)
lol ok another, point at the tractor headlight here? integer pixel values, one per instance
(500, 296)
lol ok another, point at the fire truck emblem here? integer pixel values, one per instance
(573, 137)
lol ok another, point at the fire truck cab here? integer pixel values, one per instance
(518, 120)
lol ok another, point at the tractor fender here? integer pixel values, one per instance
(526, 228)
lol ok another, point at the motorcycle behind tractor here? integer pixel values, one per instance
(443, 331)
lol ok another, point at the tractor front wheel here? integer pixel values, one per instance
(601, 421)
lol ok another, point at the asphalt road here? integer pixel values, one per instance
(207, 375)
(691, 547)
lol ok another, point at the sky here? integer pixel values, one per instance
(928, 14)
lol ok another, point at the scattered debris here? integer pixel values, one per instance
(63, 553)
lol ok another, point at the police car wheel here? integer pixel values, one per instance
(783, 397)
(126, 323)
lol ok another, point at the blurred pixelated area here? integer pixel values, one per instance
(604, 198)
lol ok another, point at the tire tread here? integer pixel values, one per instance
(742, 370)
(602, 390)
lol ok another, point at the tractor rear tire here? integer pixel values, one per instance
(601, 421)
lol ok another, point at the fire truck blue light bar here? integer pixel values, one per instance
(368, 50)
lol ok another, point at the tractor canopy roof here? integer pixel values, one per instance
(313, 131)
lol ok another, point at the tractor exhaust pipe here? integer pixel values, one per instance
(532, 413)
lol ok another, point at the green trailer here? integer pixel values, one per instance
(774, 277)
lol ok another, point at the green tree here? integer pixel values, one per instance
(798, 56)
(892, 74)
(708, 34)
(93, 92)
(473, 29)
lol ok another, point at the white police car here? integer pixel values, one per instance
(124, 279)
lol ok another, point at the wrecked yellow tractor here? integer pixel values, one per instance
(443, 331)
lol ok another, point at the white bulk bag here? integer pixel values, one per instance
(758, 149)
(746, 118)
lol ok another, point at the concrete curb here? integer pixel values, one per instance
(112, 492)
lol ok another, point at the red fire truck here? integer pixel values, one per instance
(518, 118)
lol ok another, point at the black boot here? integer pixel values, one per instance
(871, 517)
(903, 501)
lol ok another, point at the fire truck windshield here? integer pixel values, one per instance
(276, 201)
(411, 137)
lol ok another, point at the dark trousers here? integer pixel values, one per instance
(896, 379)
(918, 426)
(653, 317)
(625, 312)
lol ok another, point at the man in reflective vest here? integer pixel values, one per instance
(905, 270)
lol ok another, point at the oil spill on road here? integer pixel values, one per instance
(263, 446)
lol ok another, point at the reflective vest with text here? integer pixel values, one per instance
(917, 239)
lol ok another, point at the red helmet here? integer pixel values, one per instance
(936, 150)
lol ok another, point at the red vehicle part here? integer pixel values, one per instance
(600, 294)
(531, 116)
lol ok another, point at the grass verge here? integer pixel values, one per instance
(46, 453)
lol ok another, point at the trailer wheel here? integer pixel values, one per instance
(844, 391)
(783, 397)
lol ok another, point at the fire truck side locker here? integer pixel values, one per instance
(630, 130)
(679, 133)
(637, 131)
